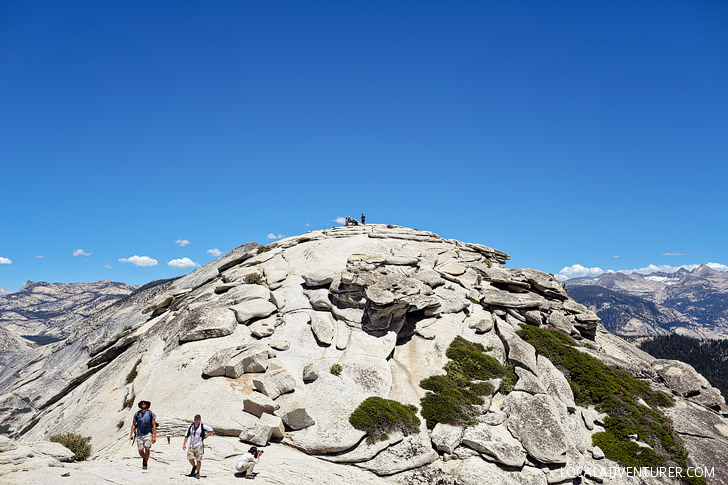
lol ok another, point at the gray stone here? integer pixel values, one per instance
(534, 317)
(257, 404)
(520, 352)
(322, 327)
(251, 309)
(280, 345)
(294, 416)
(534, 420)
(510, 300)
(246, 292)
(206, 322)
(275, 423)
(318, 278)
(554, 382)
(52, 449)
(414, 451)
(215, 366)
(310, 373)
(496, 442)
(258, 434)
(597, 453)
(476, 471)
(528, 382)
(252, 358)
(343, 334)
(481, 320)
(6, 444)
(264, 327)
(446, 437)
(275, 383)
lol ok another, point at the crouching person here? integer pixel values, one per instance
(246, 463)
(197, 433)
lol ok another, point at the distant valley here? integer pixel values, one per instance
(690, 303)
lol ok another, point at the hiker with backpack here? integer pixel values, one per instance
(198, 433)
(144, 427)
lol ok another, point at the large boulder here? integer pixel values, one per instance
(534, 420)
(257, 404)
(322, 327)
(275, 383)
(294, 416)
(496, 442)
(413, 451)
(240, 293)
(251, 309)
(52, 449)
(206, 322)
(446, 437)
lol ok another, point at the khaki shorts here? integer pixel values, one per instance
(144, 441)
(194, 453)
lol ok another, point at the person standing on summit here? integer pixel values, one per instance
(145, 425)
(363, 219)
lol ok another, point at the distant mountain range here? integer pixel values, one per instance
(41, 309)
(691, 303)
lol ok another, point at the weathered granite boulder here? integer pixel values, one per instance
(322, 327)
(251, 309)
(534, 420)
(205, 322)
(275, 383)
(310, 373)
(496, 442)
(520, 352)
(257, 404)
(318, 278)
(274, 423)
(294, 416)
(52, 449)
(446, 437)
(412, 452)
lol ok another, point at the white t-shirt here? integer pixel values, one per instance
(246, 458)
(196, 434)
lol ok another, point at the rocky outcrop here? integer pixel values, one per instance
(341, 315)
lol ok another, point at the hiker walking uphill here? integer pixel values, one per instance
(198, 433)
(145, 426)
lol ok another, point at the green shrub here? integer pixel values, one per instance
(378, 416)
(390, 226)
(133, 372)
(20, 411)
(509, 379)
(26, 400)
(128, 402)
(80, 446)
(454, 395)
(254, 279)
(618, 393)
(336, 369)
(263, 249)
(4, 428)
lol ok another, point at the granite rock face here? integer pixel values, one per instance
(336, 317)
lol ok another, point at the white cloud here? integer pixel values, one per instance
(273, 236)
(676, 254)
(214, 252)
(107, 266)
(80, 252)
(339, 220)
(182, 242)
(182, 263)
(140, 260)
(308, 225)
(39, 256)
(616, 256)
(578, 271)
(5, 260)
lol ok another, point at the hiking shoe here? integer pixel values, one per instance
(144, 466)
(192, 473)
(197, 475)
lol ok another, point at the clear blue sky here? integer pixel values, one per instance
(560, 132)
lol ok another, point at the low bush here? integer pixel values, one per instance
(263, 249)
(79, 445)
(133, 372)
(454, 395)
(254, 279)
(378, 417)
(336, 369)
(619, 394)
